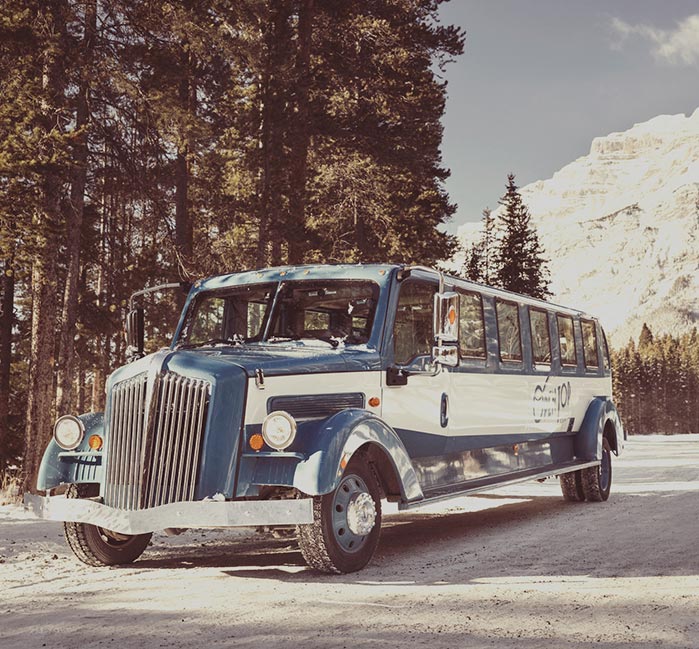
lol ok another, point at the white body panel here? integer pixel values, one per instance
(505, 404)
(368, 383)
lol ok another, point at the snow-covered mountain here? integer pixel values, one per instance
(621, 228)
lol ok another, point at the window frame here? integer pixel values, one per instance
(484, 355)
(534, 309)
(563, 316)
(519, 360)
(435, 289)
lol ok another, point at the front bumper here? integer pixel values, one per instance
(241, 513)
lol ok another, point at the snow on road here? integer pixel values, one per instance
(517, 567)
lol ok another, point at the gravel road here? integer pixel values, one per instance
(518, 567)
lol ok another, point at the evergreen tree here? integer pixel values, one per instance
(521, 266)
(474, 265)
(479, 263)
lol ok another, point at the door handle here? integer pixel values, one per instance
(444, 411)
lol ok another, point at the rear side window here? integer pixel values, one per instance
(508, 331)
(589, 335)
(605, 351)
(566, 340)
(541, 341)
(471, 327)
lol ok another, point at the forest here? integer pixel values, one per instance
(656, 383)
(150, 142)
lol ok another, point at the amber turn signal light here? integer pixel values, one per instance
(256, 442)
(95, 442)
(374, 401)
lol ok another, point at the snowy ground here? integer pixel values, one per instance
(514, 568)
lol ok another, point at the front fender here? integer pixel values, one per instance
(63, 467)
(588, 441)
(338, 439)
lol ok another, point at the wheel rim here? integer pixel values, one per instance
(113, 539)
(605, 470)
(354, 513)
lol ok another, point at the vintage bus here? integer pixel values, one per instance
(304, 396)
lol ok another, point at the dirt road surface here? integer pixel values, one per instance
(518, 567)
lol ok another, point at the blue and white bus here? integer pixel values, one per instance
(304, 396)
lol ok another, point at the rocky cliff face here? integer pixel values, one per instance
(621, 228)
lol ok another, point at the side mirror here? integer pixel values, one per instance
(446, 329)
(446, 355)
(134, 334)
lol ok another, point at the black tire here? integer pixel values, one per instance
(571, 486)
(597, 480)
(96, 546)
(329, 544)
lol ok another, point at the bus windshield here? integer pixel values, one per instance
(333, 311)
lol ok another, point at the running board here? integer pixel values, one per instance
(495, 482)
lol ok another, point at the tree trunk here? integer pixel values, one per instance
(46, 225)
(66, 365)
(7, 299)
(296, 228)
(272, 136)
(184, 231)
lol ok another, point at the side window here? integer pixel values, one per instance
(471, 327)
(589, 335)
(412, 330)
(541, 341)
(605, 351)
(566, 340)
(508, 331)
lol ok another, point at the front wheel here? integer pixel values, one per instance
(346, 523)
(597, 480)
(97, 546)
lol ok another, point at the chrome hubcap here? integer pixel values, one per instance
(361, 514)
(353, 513)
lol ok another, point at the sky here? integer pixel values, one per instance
(539, 79)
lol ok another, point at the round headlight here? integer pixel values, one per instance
(279, 429)
(68, 431)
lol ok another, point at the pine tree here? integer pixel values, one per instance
(521, 266)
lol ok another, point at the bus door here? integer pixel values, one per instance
(415, 391)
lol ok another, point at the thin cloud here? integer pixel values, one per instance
(679, 46)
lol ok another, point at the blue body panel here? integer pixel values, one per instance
(588, 441)
(314, 463)
(63, 467)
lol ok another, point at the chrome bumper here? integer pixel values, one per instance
(206, 513)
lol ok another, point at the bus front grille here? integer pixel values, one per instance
(126, 443)
(155, 462)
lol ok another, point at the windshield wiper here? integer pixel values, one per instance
(236, 340)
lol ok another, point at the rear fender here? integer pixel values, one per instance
(601, 415)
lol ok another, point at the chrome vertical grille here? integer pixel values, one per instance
(151, 463)
(178, 429)
(125, 444)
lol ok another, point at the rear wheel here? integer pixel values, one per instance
(571, 486)
(597, 480)
(346, 523)
(97, 546)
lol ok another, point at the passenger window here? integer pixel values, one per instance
(541, 341)
(471, 327)
(412, 330)
(589, 344)
(508, 331)
(566, 340)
